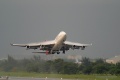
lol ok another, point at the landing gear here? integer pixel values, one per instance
(58, 52)
(53, 52)
(63, 51)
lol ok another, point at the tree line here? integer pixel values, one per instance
(59, 66)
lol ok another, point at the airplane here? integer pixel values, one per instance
(54, 46)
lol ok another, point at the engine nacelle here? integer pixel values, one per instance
(83, 47)
(28, 47)
(75, 47)
(31, 47)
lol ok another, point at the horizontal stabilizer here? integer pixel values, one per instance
(21, 45)
(38, 52)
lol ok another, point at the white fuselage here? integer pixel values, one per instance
(61, 37)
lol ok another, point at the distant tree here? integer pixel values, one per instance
(11, 60)
(9, 64)
(100, 69)
(99, 61)
(86, 66)
(58, 65)
(31, 67)
(85, 61)
(36, 64)
(117, 69)
(87, 69)
(70, 68)
(112, 70)
(48, 66)
(36, 58)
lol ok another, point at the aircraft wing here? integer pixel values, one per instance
(75, 45)
(47, 43)
(25, 45)
(35, 45)
(20, 45)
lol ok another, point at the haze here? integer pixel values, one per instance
(84, 21)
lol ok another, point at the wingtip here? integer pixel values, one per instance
(11, 44)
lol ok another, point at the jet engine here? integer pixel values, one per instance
(75, 47)
(31, 47)
(28, 47)
(83, 47)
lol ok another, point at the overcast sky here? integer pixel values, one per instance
(84, 21)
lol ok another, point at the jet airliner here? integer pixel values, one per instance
(54, 46)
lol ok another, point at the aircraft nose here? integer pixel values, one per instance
(63, 32)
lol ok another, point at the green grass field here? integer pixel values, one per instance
(64, 76)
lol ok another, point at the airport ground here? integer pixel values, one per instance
(33, 76)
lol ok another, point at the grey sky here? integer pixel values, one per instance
(84, 21)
